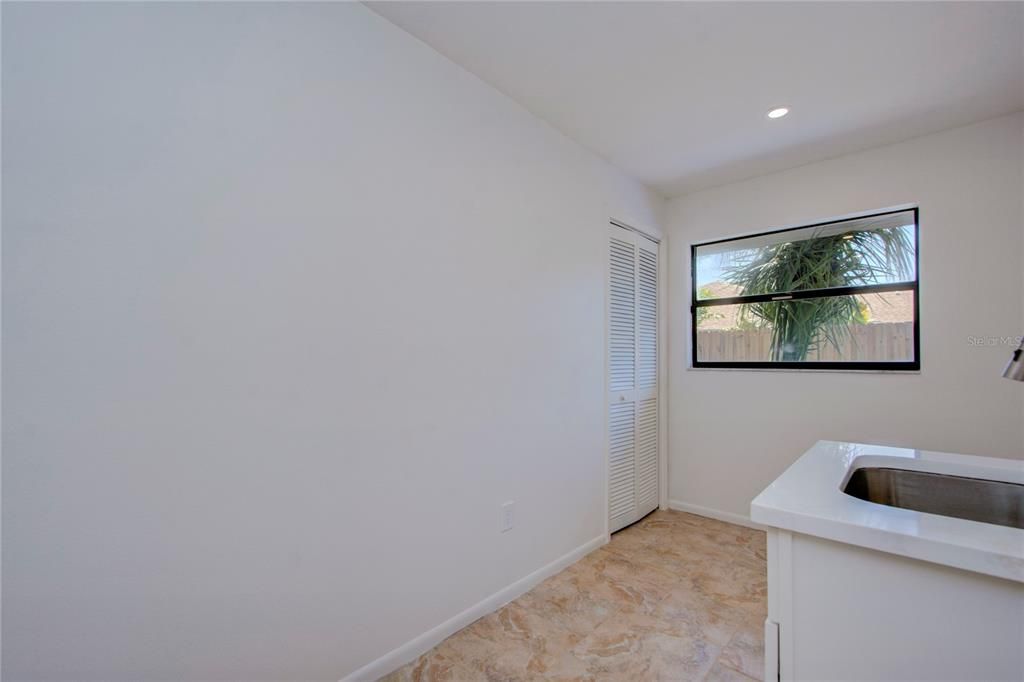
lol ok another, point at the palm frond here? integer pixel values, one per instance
(820, 262)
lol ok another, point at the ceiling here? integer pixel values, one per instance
(675, 94)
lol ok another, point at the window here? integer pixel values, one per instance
(835, 295)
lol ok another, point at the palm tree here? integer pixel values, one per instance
(821, 262)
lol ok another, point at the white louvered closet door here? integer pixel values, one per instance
(632, 377)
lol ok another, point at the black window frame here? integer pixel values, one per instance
(869, 366)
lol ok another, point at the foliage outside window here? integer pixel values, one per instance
(836, 295)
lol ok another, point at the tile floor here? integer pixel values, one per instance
(673, 597)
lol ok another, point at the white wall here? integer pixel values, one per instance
(731, 432)
(292, 304)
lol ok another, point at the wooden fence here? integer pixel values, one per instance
(878, 342)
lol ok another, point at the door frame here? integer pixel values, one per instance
(662, 313)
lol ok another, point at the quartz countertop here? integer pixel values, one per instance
(808, 498)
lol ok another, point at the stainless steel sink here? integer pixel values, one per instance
(973, 499)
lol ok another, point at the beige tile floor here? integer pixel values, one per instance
(673, 597)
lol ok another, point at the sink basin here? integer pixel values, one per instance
(974, 499)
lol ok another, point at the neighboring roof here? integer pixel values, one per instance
(895, 306)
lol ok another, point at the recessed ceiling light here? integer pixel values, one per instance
(778, 113)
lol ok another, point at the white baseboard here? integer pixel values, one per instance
(412, 649)
(728, 517)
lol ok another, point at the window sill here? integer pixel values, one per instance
(787, 370)
(808, 371)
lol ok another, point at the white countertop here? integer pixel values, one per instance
(808, 498)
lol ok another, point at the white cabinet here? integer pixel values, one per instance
(865, 591)
(844, 612)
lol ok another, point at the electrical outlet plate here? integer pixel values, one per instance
(507, 516)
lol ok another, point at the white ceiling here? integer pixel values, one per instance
(675, 94)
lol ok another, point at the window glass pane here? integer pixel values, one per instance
(863, 328)
(870, 250)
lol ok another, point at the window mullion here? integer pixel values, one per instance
(809, 293)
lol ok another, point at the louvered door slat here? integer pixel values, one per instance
(647, 453)
(647, 318)
(622, 460)
(622, 315)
